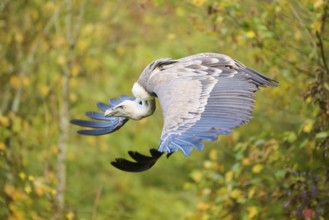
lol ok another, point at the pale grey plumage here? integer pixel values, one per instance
(201, 97)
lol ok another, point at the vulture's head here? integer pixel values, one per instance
(132, 109)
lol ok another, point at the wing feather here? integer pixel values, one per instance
(102, 125)
(203, 97)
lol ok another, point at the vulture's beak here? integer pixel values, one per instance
(109, 112)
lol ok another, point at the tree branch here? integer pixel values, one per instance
(64, 116)
(319, 35)
(322, 52)
(71, 36)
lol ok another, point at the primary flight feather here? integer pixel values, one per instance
(201, 97)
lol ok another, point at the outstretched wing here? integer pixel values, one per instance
(202, 97)
(103, 125)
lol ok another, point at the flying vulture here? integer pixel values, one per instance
(201, 96)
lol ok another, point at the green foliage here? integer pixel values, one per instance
(285, 174)
(273, 168)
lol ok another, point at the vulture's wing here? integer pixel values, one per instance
(202, 97)
(102, 125)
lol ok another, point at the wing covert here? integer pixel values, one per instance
(102, 125)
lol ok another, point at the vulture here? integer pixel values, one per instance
(201, 96)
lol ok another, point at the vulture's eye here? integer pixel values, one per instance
(140, 102)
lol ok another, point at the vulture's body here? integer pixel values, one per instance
(201, 97)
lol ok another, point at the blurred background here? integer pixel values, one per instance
(58, 58)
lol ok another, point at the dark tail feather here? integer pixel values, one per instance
(142, 163)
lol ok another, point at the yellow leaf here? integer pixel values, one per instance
(316, 25)
(236, 194)
(308, 125)
(171, 36)
(251, 192)
(87, 29)
(318, 3)
(22, 175)
(61, 60)
(54, 149)
(91, 140)
(196, 176)
(59, 42)
(245, 161)
(257, 168)
(73, 97)
(43, 89)
(51, 176)
(26, 81)
(208, 164)
(297, 35)
(206, 191)
(50, 6)
(19, 37)
(28, 189)
(213, 154)
(31, 178)
(203, 206)
(39, 191)
(14, 193)
(252, 212)
(75, 70)
(14, 82)
(54, 192)
(229, 176)
(69, 216)
(17, 213)
(82, 45)
(241, 40)
(2, 146)
(251, 34)
(9, 190)
(180, 11)
(4, 121)
(35, 216)
(198, 2)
